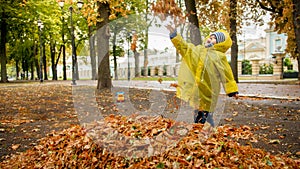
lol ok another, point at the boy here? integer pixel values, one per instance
(202, 70)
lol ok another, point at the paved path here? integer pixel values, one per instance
(269, 89)
(252, 89)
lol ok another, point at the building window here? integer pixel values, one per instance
(278, 44)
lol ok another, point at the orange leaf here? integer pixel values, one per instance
(174, 85)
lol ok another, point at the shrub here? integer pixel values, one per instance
(246, 67)
(266, 69)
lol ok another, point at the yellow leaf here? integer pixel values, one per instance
(15, 146)
(264, 127)
(228, 119)
(94, 159)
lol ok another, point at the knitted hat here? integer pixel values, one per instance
(221, 45)
(220, 37)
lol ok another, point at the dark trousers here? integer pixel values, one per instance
(203, 116)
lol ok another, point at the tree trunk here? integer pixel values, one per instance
(57, 59)
(114, 54)
(92, 53)
(146, 54)
(145, 71)
(193, 20)
(45, 63)
(37, 66)
(24, 67)
(104, 77)
(76, 65)
(64, 62)
(32, 63)
(17, 69)
(32, 70)
(296, 16)
(3, 48)
(298, 59)
(181, 32)
(27, 75)
(63, 48)
(137, 71)
(234, 47)
(53, 63)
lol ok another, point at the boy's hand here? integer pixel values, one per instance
(170, 28)
(236, 96)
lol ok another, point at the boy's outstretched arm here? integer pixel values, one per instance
(185, 49)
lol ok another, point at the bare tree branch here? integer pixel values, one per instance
(274, 9)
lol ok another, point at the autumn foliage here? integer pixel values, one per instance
(163, 9)
(91, 147)
(134, 41)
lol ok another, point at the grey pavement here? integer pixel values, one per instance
(272, 90)
(261, 89)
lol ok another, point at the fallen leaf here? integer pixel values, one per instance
(160, 80)
(253, 140)
(281, 137)
(174, 85)
(228, 119)
(275, 141)
(265, 127)
(15, 146)
(94, 159)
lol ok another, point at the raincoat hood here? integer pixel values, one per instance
(223, 46)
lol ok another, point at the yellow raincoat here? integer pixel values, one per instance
(201, 72)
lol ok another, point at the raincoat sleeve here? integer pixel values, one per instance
(188, 51)
(191, 56)
(227, 78)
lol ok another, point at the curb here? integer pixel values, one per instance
(271, 97)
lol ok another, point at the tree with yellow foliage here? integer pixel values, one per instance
(98, 14)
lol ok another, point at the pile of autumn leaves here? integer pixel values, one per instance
(147, 142)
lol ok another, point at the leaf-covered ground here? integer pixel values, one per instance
(40, 128)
